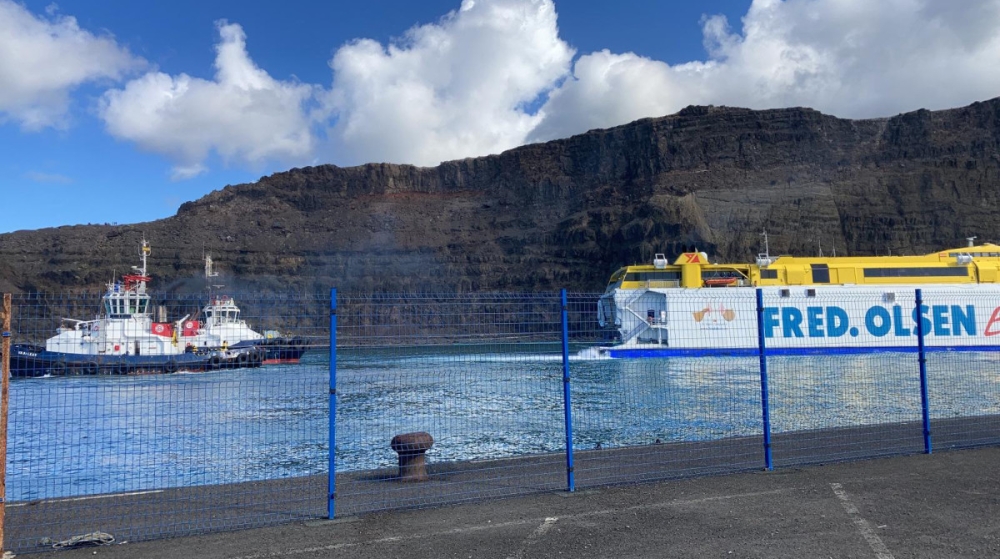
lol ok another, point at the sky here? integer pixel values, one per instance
(118, 111)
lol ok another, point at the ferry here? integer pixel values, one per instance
(809, 305)
(126, 337)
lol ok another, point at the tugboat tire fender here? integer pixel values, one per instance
(170, 366)
(214, 362)
(242, 359)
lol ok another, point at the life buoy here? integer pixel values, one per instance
(170, 366)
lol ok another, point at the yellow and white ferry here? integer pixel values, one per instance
(812, 305)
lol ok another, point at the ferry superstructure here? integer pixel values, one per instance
(845, 304)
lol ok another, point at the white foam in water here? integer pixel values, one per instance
(590, 354)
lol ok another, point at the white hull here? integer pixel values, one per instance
(801, 319)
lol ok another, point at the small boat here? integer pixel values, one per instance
(125, 339)
(811, 305)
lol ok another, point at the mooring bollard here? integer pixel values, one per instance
(411, 448)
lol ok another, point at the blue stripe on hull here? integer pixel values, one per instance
(653, 353)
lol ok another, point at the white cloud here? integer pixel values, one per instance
(470, 84)
(243, 115)
(453, 89)
(851, 58)
(47, 178)
(43, 58)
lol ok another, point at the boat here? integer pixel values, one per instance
(220, 322)
(810, 305)
(126, 339)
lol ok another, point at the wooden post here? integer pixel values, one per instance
(4, 398)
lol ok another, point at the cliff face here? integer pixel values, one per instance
(567, 213)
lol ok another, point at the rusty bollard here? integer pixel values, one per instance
(411, 448)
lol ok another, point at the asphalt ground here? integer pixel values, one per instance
(946, 504)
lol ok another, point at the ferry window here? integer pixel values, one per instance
(786, 292)
(769, 274)
(810, 292)
(821, 273)
(653, 276)
(959, 271)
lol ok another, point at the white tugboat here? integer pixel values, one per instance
(126, 339)
(222, 324)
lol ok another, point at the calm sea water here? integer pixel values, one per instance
(90, 435)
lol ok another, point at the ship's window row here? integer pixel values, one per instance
(653, 276)
(976, 254)
(915, 272)
(769, 274)
(123, 308)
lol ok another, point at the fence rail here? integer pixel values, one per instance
(400, 401)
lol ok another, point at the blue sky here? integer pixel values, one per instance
(117, 111)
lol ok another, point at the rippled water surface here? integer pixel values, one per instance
(86, 435)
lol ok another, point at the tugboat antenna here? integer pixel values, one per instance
(144, 252)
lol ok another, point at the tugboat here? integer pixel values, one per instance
(222, 323)
(125, 339)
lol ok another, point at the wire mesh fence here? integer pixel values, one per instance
(444, 398)
(666, 412)
(100, 439)
(479, 374)
(847, 394)
(963, 381)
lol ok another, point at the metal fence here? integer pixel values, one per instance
(500, 394)
(98, 447)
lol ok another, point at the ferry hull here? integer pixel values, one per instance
(619, 352)
(801, 320)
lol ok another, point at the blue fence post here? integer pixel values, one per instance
(568, 408)
(922, 360)
(764, 404)
(331, 482)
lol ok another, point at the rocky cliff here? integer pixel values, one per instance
(566, 213)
